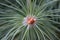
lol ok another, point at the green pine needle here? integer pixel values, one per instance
(14, 14)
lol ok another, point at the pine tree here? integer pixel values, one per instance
(29, 20)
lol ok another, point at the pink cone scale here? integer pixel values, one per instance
(29, 20)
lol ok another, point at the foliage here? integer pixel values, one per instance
(12, 14)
